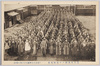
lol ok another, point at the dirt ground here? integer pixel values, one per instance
(88, 21)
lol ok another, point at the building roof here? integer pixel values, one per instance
(12, 13)
(20, 9)
(33, 6)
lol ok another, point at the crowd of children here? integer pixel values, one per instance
(57, 32)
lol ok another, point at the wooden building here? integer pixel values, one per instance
(33, 10)
(48, 8)
(56, 7)
(6, 20)
(13, 18)
(25, 12)
(20, 11)
(73, 9)
(85, 10)
(68, 8)
(41, 8)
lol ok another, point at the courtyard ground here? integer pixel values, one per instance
(88, 21)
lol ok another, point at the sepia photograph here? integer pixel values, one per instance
(49, 32)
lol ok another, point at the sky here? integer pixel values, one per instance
(8, 7)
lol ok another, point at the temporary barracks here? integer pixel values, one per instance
(33, 10)
(15, 16)
(11, 18)
(85, 10)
